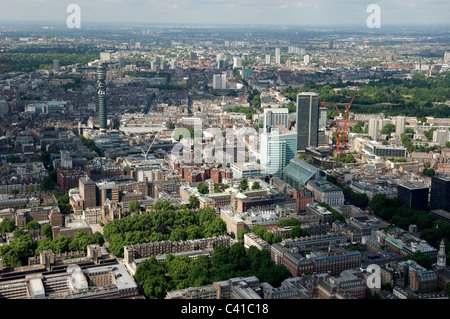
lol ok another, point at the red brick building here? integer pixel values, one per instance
(68, 177)
(303, 197)
(195, 174)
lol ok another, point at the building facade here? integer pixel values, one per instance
(307, 120)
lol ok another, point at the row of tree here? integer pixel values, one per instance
(261, 231)
(357, 199)
(164, 222)
(419, 97)
(224, 264)
(90, 144)
(25, 62)
(23, 246)
(431, 230)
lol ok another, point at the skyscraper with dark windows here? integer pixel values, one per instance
(440, 192)
(307, 120)
(101, 80)
(414, 195)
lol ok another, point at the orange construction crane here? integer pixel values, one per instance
(322, 104)
(337, 110)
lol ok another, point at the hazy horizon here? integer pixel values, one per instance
(319, 13)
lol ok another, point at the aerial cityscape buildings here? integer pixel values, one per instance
(197, 161)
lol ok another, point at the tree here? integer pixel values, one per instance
(388, 129)
(214, 228)
(47, 184)
(33, 226)
(155, 287)
(178, 234)
(243, 184)
(47, 231)
(336, 215)
(421, 258)
(203, 188)
(256, 186)
(277, 239)
(134, 206)
(15, 192)
(237, 255)
(241, 234)
(194, 202)
(61, 244)
(193, 232)
(19, 233)
(31, 188)
(297, 232)
(232, 93)
(428, 172)
(259, 230)
(447, 289)
(97, 238)
(268, 237)
(7, 225)
(288, 222)
(429, 133)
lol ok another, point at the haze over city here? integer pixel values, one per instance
(284, 12)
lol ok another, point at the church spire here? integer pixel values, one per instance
(441, 258)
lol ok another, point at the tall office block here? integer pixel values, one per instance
(400, 126)
(447, 56)
(330, 44)
(274, 117)
(267, 58)
(373, 128)
(4, 108)
(276, 151)
(307, 58)
(413, 195)
(56, 65)
(216, 81)
(121, 62)
(440, 192)
(278, 59)
(323, 117)
(307, 120)
(192, 55)
(219, 81)
(101, 74)
(88, 192)
(277, 56)
(441, 136)
(237, 63)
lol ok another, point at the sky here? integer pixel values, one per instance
(276, 12)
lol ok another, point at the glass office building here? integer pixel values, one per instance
(299, 172)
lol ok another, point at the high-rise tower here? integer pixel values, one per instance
(307, 120)
(101, 75)
(440, 192)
